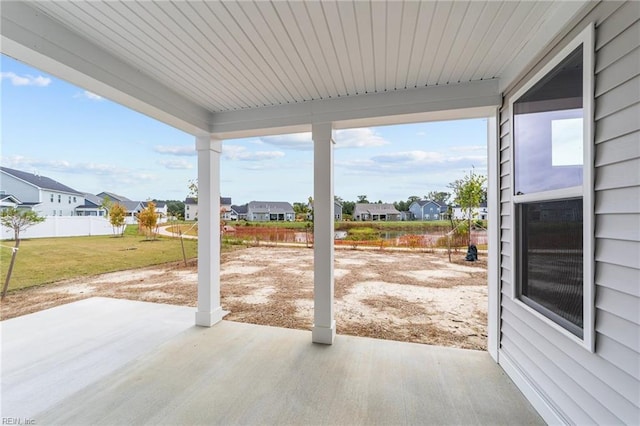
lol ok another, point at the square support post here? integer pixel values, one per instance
(324, 325)
(209, 310)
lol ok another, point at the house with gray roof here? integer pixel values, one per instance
(113, 196)
(375, 211)
(239, 212)
(265, 211)
(92, 206)
(428, 210)
(8, 201)
(41, 194)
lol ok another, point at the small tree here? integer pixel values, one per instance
(468, 194)
(148, 220)
(438, 196)
(193, 189)
(106, 204)
(117, 214)
(18, 221)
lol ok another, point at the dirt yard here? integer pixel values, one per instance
(409, 296)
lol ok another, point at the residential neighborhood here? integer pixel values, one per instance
(50, 198)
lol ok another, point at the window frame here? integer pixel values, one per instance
(584, 191)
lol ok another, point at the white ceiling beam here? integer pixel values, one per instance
(357, 111)
(34, 38)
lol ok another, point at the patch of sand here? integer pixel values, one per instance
(409, 296)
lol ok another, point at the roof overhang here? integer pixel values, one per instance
(83, 43)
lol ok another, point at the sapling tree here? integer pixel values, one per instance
(117, 214)
(468, 193)
(148, 220)
(18, 221)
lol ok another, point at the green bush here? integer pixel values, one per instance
(362, 234)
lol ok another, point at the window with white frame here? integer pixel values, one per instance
(552, 169)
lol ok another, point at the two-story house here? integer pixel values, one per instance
(41, 194)
(427, 210)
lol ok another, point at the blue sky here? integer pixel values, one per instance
(92, 145)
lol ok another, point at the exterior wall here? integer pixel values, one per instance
(431, 211)
(337, 211)
(66, 205)
(190, 211)
(566, 382)
(477, 213)
(63, 226)
(416, 210)
(23, 191)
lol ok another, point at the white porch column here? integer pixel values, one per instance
(209, 310)
(324, 325)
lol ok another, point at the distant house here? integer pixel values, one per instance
(265, 211)
(92, 206)
(225, 209)
(41, 194)
(406, 215)
(191, 208)
(476, 213)
(337, 211)
(427, 210)
(112, 197)
(132, 209)
(162, 210)
(375, 211)
(8, 201)
(240, 212)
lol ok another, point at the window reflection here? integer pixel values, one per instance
(548, 130)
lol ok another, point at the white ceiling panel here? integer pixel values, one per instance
(225, 56)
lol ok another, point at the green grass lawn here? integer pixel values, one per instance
(46, 260)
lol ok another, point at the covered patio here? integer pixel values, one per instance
(117, 362)
(223, 70)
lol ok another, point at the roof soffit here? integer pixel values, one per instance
(212, 66)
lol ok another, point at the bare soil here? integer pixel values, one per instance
(407, 296)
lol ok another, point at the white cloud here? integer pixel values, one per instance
(241, 153)
(416, 161)
(178, 164)
(469, 148)
(359, 138)
(110, 172)
(26, 79)
(421, 157)
(180, 150)
(347, 138)
(295, 141)
(89, 95)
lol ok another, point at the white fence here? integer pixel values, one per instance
(63, 226)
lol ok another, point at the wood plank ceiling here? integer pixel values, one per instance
(236, 55)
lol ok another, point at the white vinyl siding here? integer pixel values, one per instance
(579, 386)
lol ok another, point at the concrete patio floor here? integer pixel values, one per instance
(105, 361)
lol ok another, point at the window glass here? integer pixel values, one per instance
(548, 123)
(551, 273)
